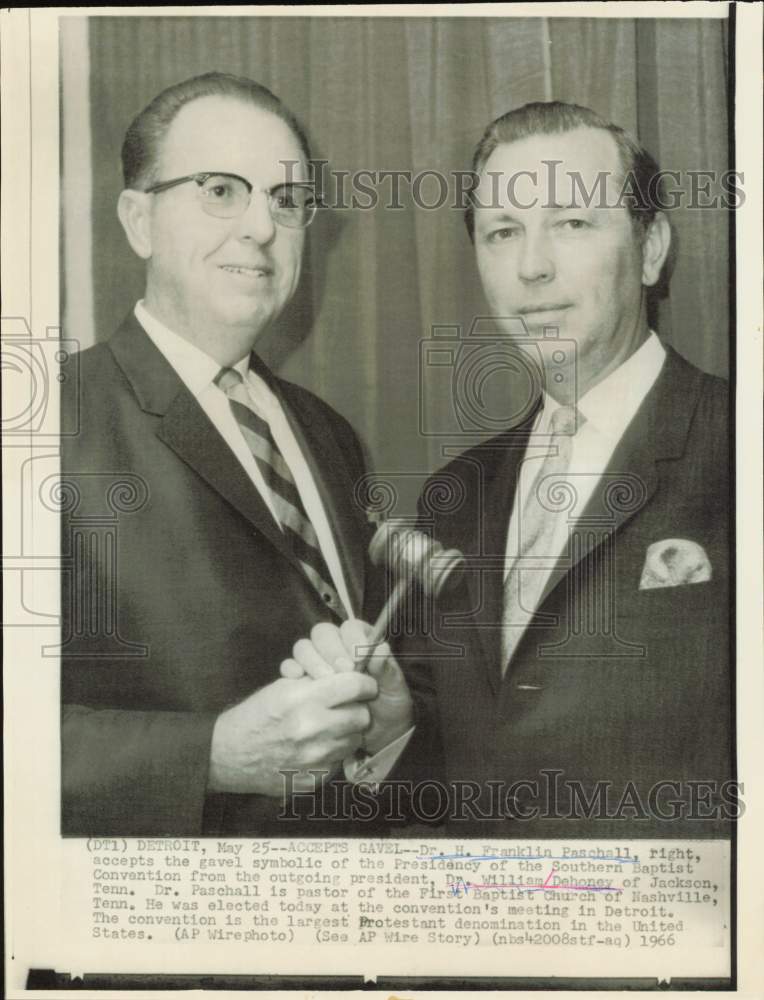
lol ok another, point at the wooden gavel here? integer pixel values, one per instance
(413, 557)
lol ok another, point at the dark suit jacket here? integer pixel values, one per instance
(180, 596)
(610, 682)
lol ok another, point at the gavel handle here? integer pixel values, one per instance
(382, 624)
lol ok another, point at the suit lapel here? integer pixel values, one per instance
(191, 435)
(657, 433)
(497, 463)
(186, 429)
(626, 486)
(328, 467)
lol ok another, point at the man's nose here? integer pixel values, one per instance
(256, 223)
(536, 262)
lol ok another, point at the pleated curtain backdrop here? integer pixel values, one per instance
(398, 94)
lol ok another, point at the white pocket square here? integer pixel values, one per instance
(674, 562)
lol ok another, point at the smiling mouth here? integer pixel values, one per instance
(250, 270)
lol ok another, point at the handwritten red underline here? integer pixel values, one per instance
(462, 886)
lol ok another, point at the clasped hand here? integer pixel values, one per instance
(319, 712)
(292, 725)
(336, 651)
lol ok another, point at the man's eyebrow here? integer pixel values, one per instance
(503, 216)
(291, 184)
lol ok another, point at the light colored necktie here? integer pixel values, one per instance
(283, 493)
(538, 521)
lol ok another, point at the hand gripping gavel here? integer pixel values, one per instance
(412, 556)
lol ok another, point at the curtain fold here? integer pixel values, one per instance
(414, 94)
(692, 135)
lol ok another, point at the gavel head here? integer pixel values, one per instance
(414, 556)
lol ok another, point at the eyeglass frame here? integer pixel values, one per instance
(203, 176)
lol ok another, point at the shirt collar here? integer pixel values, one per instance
(610, 405)
(193, 366)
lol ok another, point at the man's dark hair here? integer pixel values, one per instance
(643, 194)
(143, 139)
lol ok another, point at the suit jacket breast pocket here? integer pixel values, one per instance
(686, 608)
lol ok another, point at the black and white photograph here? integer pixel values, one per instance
(387, 456)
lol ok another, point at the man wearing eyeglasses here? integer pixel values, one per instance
(243, 533)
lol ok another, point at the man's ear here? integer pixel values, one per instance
(133, 210)
(655, 248)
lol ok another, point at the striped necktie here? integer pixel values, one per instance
(282, 491)
(538, 525)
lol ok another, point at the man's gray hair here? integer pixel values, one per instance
(143, 140)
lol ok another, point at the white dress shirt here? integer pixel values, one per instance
(608, 408)
(198, 371)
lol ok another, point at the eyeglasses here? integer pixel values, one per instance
(227, 196)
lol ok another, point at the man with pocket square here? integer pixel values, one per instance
(581, 674)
